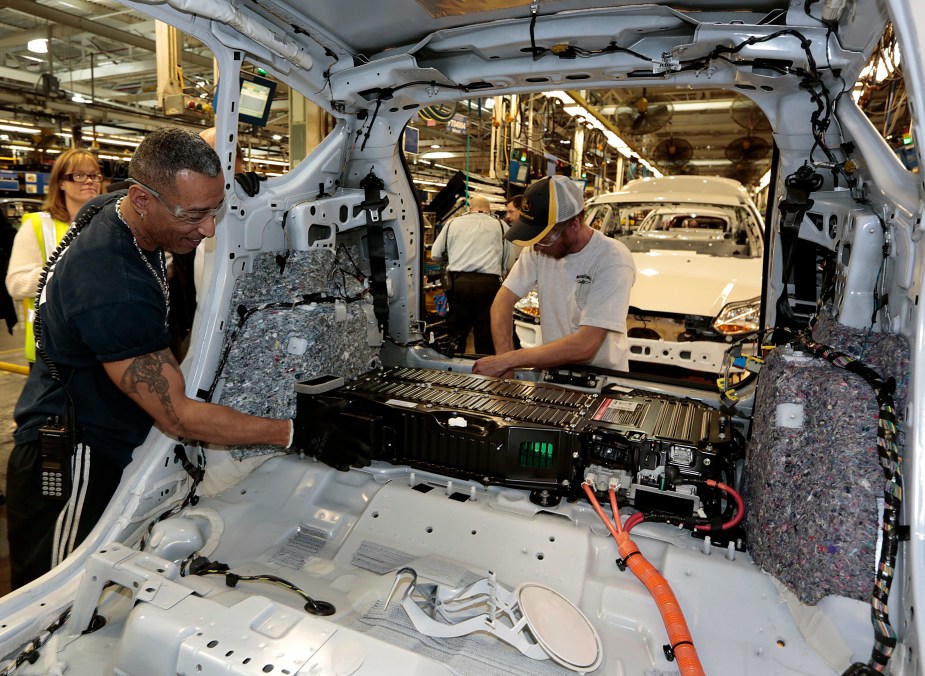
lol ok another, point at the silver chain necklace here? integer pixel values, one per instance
(162, 277)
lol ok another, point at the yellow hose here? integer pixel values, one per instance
(14, 368)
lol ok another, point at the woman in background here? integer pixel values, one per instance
(75, 179)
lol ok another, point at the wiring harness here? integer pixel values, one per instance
(202, 566)
(891, 462)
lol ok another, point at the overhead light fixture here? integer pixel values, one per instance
(39, 45)
(277, 137)
(439, 155)
(561, 95)
(17, 129)
(697, 106)
(111, 140)
(263, 160)
(710, 163)
(682, 106)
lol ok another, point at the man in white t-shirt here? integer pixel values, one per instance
(584, 280)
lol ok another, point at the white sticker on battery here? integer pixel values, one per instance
(623, 405)
(399, 402)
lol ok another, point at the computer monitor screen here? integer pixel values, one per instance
(255, 100)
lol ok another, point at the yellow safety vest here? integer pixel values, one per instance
(48, 232)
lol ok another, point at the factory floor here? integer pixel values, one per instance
(11, 352)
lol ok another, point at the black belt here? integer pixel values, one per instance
(475, 274)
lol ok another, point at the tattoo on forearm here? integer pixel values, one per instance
(146, 371)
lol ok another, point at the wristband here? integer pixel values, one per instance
(291, 433)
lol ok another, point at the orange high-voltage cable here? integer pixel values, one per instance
(679, 636)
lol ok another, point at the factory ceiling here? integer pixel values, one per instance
(100, 74)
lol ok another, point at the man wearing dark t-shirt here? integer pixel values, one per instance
(104, 358)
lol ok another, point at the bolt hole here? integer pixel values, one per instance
(211, 644)
(474, 532)
(781, 643)
(430, 529)
(540, 556)
(552, 538)
(375, 515)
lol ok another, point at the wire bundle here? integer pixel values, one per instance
(890, 460)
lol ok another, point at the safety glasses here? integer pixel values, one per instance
(188, 216)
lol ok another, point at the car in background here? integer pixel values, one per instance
(698, 245)
(14, 208)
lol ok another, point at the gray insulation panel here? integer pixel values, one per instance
(275, 347)
(813, 492)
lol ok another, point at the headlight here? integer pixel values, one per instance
(529, 304)
(740, 317)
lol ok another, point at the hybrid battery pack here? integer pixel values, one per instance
(539, 436)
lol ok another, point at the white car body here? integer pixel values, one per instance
(706, 292)
(341, 537)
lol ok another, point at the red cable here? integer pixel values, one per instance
(615, 510)
(740, 507)
(633, 521)
(600, 512)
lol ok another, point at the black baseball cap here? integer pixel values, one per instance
(550, 200)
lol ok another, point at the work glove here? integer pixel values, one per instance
(249, 182)
(322, 429)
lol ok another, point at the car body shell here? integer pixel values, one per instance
(372, 67)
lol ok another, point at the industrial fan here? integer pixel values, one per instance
(747, 149)
(748, 115)
(641, 115)
(745, 173)
(437, 113)
(673, 152)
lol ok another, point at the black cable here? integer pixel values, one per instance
(372, 121)
(30, 651)
(84, 217)
(197, 474)
(313, 606)
(536, 52)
